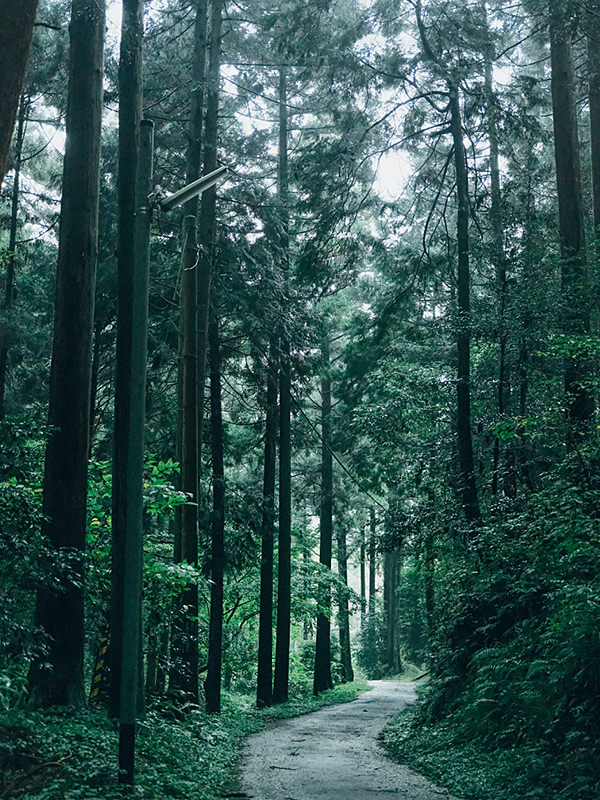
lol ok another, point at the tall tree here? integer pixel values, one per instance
(363, 585)
(59, 612)
(217, 555)
(16, 31)
(390, 585)
(282, 644)
(592, 24)
(343, 610)
(184, 675)
(126, 518)
(9, 277)
(498, 254)
(322, 673)
(264, 686)
(468, 487)
(372, 562)
(574, 274)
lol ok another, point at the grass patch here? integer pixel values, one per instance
(72, 755)
(473, 771)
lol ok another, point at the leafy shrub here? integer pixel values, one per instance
(516, 665)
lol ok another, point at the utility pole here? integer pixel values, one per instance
(133, 544)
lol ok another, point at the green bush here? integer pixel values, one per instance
(515, 679)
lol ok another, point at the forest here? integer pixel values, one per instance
(299, 349)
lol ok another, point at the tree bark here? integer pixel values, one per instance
(576, 309)
(363, 585)
(282, 645)
(322, 673)
(215, 634)
(593, 55)
(430, 586)
(264, 690)
(468, 487)
(184, 674)
(195, 270)
(284, 556)
(343, 611)
(16, 31)
(131, 673)
(391, 611)
(9, 278)
(130, 114)
(60, 612)
(372, 560)
(208, 205)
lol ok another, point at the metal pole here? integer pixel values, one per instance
(192, 189)
(132, 590)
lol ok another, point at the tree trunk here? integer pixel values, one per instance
(430, 586)
(130, 114)
(468, 487)
(96, 360)
(16, 31)
(264, 690)
(593, 55)
(131, 674)
(184, 675)
(322, 674)
(363, 586)
(391, 612)
(192, 368)
(343, 612)
(284, 558)
(576, 309)
(215, 635)
(372, 560)
(60, 612)
(282, 645)
(9, 279)
(207, 218)
(498, 257)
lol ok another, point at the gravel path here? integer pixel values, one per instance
(333, 754)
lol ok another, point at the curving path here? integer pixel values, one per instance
(333, 754)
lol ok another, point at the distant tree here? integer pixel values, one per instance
(264, 681)
(322, 672)
(343, 611)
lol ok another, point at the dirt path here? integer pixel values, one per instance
(333, 754)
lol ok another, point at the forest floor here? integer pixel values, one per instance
(335, 754)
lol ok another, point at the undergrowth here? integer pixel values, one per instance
(71, 755)
(472, 771)
(512, 707)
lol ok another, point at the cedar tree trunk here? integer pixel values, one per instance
(60, 612)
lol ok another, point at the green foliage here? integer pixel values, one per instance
(26, 561)
(517, 658)
(194, 758)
